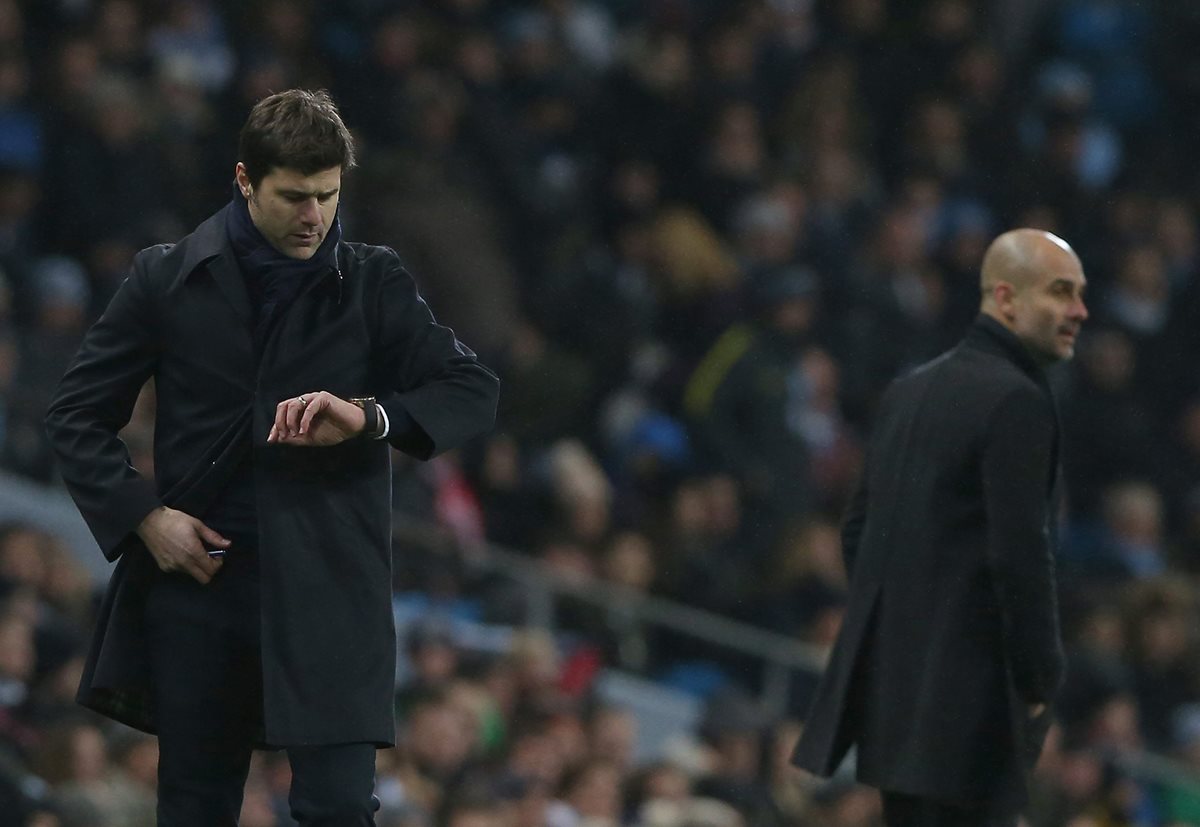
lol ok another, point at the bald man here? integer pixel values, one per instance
(950, 655)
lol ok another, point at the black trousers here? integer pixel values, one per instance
(900, 810)
(205, 656)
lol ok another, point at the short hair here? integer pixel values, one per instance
(297, 129)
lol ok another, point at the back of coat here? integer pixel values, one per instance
(921, 676)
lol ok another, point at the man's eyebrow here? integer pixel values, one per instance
(1069, 283)
(288, 192)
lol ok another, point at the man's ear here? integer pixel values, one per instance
(243, 180)
(1004, 294)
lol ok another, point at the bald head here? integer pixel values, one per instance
(1032, 283)
(1019, 256)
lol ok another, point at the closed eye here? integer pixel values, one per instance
(299, 197)
(1067, 289)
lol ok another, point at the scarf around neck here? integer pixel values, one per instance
(273, 279)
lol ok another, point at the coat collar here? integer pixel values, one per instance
(208, 247)
(990, 336)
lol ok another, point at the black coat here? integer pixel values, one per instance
(183, 317)
(951, 630)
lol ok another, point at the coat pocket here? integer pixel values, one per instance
(199, 487)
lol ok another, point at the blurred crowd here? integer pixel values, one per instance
(696, 239)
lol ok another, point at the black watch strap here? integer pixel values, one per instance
(371, 412)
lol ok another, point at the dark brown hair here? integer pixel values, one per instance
(296, 129)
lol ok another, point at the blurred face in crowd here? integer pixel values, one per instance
(435, 661)
(292, 210)
(614, 734)
(476, 816)
(536, 756)
(668, 782)
(23, 557)
(89, 754)
(440, 737)
(530, 809)
(629, 561)
(739, 754)
(570, 740)
(596, 792)
(17, 654)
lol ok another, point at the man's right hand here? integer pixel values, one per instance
(180, 542)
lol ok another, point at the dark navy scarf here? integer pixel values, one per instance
(273, 279)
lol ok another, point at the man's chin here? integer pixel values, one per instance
(299, 252)
(1063, 352)
(1051, 353)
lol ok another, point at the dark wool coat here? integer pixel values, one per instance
(951, 630)
(183, 317)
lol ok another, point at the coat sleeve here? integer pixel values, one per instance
(434, 390)
(1017, 461)
(93, 402)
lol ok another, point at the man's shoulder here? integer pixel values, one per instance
(168, 261)
(360, 254)
(964, 378)
(158, 255)
(972, 367)
(993, 371)
(373, 267)
(156, 266)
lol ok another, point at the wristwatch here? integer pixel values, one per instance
(371, 411)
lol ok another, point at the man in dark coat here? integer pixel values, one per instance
(950, 652)
(743, 399)
(251, 601)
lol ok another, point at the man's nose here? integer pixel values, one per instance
(310, 213)
(1080, 311)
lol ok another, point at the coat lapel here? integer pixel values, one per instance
(208, 247)
(228, 277)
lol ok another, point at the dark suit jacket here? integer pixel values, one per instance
(952, 624)
(183, 318)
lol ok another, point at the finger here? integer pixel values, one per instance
(200, 572)
(212, 565)
(200, 565)
(316, 404)
(271, 437)
(281, 419)
(208, 535)
(294, 410)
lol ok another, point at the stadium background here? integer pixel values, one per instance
(695, 238)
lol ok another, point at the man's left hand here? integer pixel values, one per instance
(316, 419)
